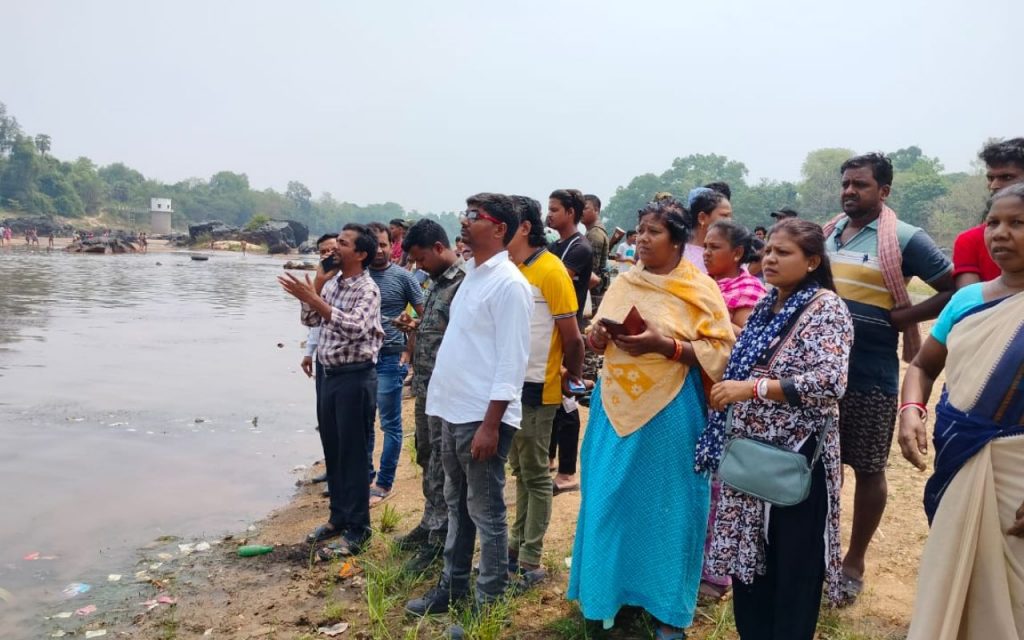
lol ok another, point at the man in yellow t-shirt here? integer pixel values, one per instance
(554, 340)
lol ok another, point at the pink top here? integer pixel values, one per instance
(695, 254)
(741, 292)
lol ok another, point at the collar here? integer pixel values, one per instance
(453, 271)
(494, 261)
(845, 222)
(348, 282)
(535, 256)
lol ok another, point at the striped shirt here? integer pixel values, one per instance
(398, 289)
(353, 334)
(857, 271)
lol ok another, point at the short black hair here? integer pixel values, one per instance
(594, 200)
(326, 236)
(721, 187)
(672, 214)
(1004, 152)
(528, 210)
(763, 230)
(785, 212)
(398, 222)
(379, 227)
(570, 199)
(498, 206)
(631, 234)
(366, 241)
(705, 202)
(739, 236)
(881, 167)
(425, 234)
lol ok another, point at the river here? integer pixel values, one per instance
(129, 386)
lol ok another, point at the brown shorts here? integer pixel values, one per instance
(866, 423)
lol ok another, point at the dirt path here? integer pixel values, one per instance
(287, 595)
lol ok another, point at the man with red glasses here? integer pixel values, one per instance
(475, 390)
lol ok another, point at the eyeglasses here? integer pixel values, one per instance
(475, 214)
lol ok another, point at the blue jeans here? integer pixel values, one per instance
(390, 376)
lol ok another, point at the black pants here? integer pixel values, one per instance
(783, 604)
(346, 407)
(565, 440)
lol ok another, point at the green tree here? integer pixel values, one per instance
(10, 131)
(917, 185)
(21, 172)
(960, 208)
(819, 189)
(300, 195)
(43, 142)
(87, 184)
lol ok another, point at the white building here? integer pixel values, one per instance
(160, 212)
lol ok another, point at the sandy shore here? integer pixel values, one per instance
(288, 595)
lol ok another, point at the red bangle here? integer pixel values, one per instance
(590, 341)
(921, 408)
(677, 352)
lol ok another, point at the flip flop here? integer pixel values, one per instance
(378, 495)
(851, 588)
(555, 489)
(323, 532)
(669, 635)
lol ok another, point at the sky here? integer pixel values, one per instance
(424, 103)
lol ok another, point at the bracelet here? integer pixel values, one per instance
(590, 341)
(761, 389)
(921, 409)
(677, 352)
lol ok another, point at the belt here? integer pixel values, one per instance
(392, 349)
(352, 367)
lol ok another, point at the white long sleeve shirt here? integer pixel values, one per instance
(485, 348)
(312, 340)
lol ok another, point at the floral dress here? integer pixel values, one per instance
(811, 359)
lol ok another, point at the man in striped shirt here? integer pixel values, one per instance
(345, 303)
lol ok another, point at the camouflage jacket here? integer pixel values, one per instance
(433, 323)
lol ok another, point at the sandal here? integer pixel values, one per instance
(675, 634)
(378, 495)
(850, 588)
(555, 489)
(323, 532)
(710, 592)
(344, 548)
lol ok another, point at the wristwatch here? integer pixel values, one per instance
(762, 389)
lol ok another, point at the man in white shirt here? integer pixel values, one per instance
(475, 390)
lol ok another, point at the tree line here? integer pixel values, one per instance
(33, 181)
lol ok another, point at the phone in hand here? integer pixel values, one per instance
(328, 264)
(576, 387)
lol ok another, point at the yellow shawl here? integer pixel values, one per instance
(684, 304)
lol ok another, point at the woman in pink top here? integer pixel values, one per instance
(706, 207)
(728, 246)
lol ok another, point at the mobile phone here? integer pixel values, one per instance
(576, 387)
(329, 263)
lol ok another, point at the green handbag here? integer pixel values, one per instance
(766, 471)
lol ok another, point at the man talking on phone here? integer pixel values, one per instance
(346, 306)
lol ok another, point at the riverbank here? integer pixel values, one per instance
(287, 594)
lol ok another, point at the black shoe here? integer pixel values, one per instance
(427, 555)
(413, 540)
(317, 479)
(326, 493)
(438, 600)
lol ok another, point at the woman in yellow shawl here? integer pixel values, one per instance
(971, 583)
(642, 520)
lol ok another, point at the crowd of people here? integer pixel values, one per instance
(715, 353)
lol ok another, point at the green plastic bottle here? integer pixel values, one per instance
(250, 550)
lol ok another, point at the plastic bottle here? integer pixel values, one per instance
(250, 550)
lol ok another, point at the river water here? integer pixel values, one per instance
(128, 388)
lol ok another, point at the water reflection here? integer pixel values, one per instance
(105, 364)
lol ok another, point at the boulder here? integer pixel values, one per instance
(309, 246)
(300, 266)
(213, 228)
(42, 224)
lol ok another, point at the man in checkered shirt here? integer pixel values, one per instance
(345, 303)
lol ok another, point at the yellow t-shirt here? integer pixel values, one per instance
(553, 298)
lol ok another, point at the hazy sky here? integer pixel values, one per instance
(423, 103)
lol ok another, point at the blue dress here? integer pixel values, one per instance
(643, 515)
